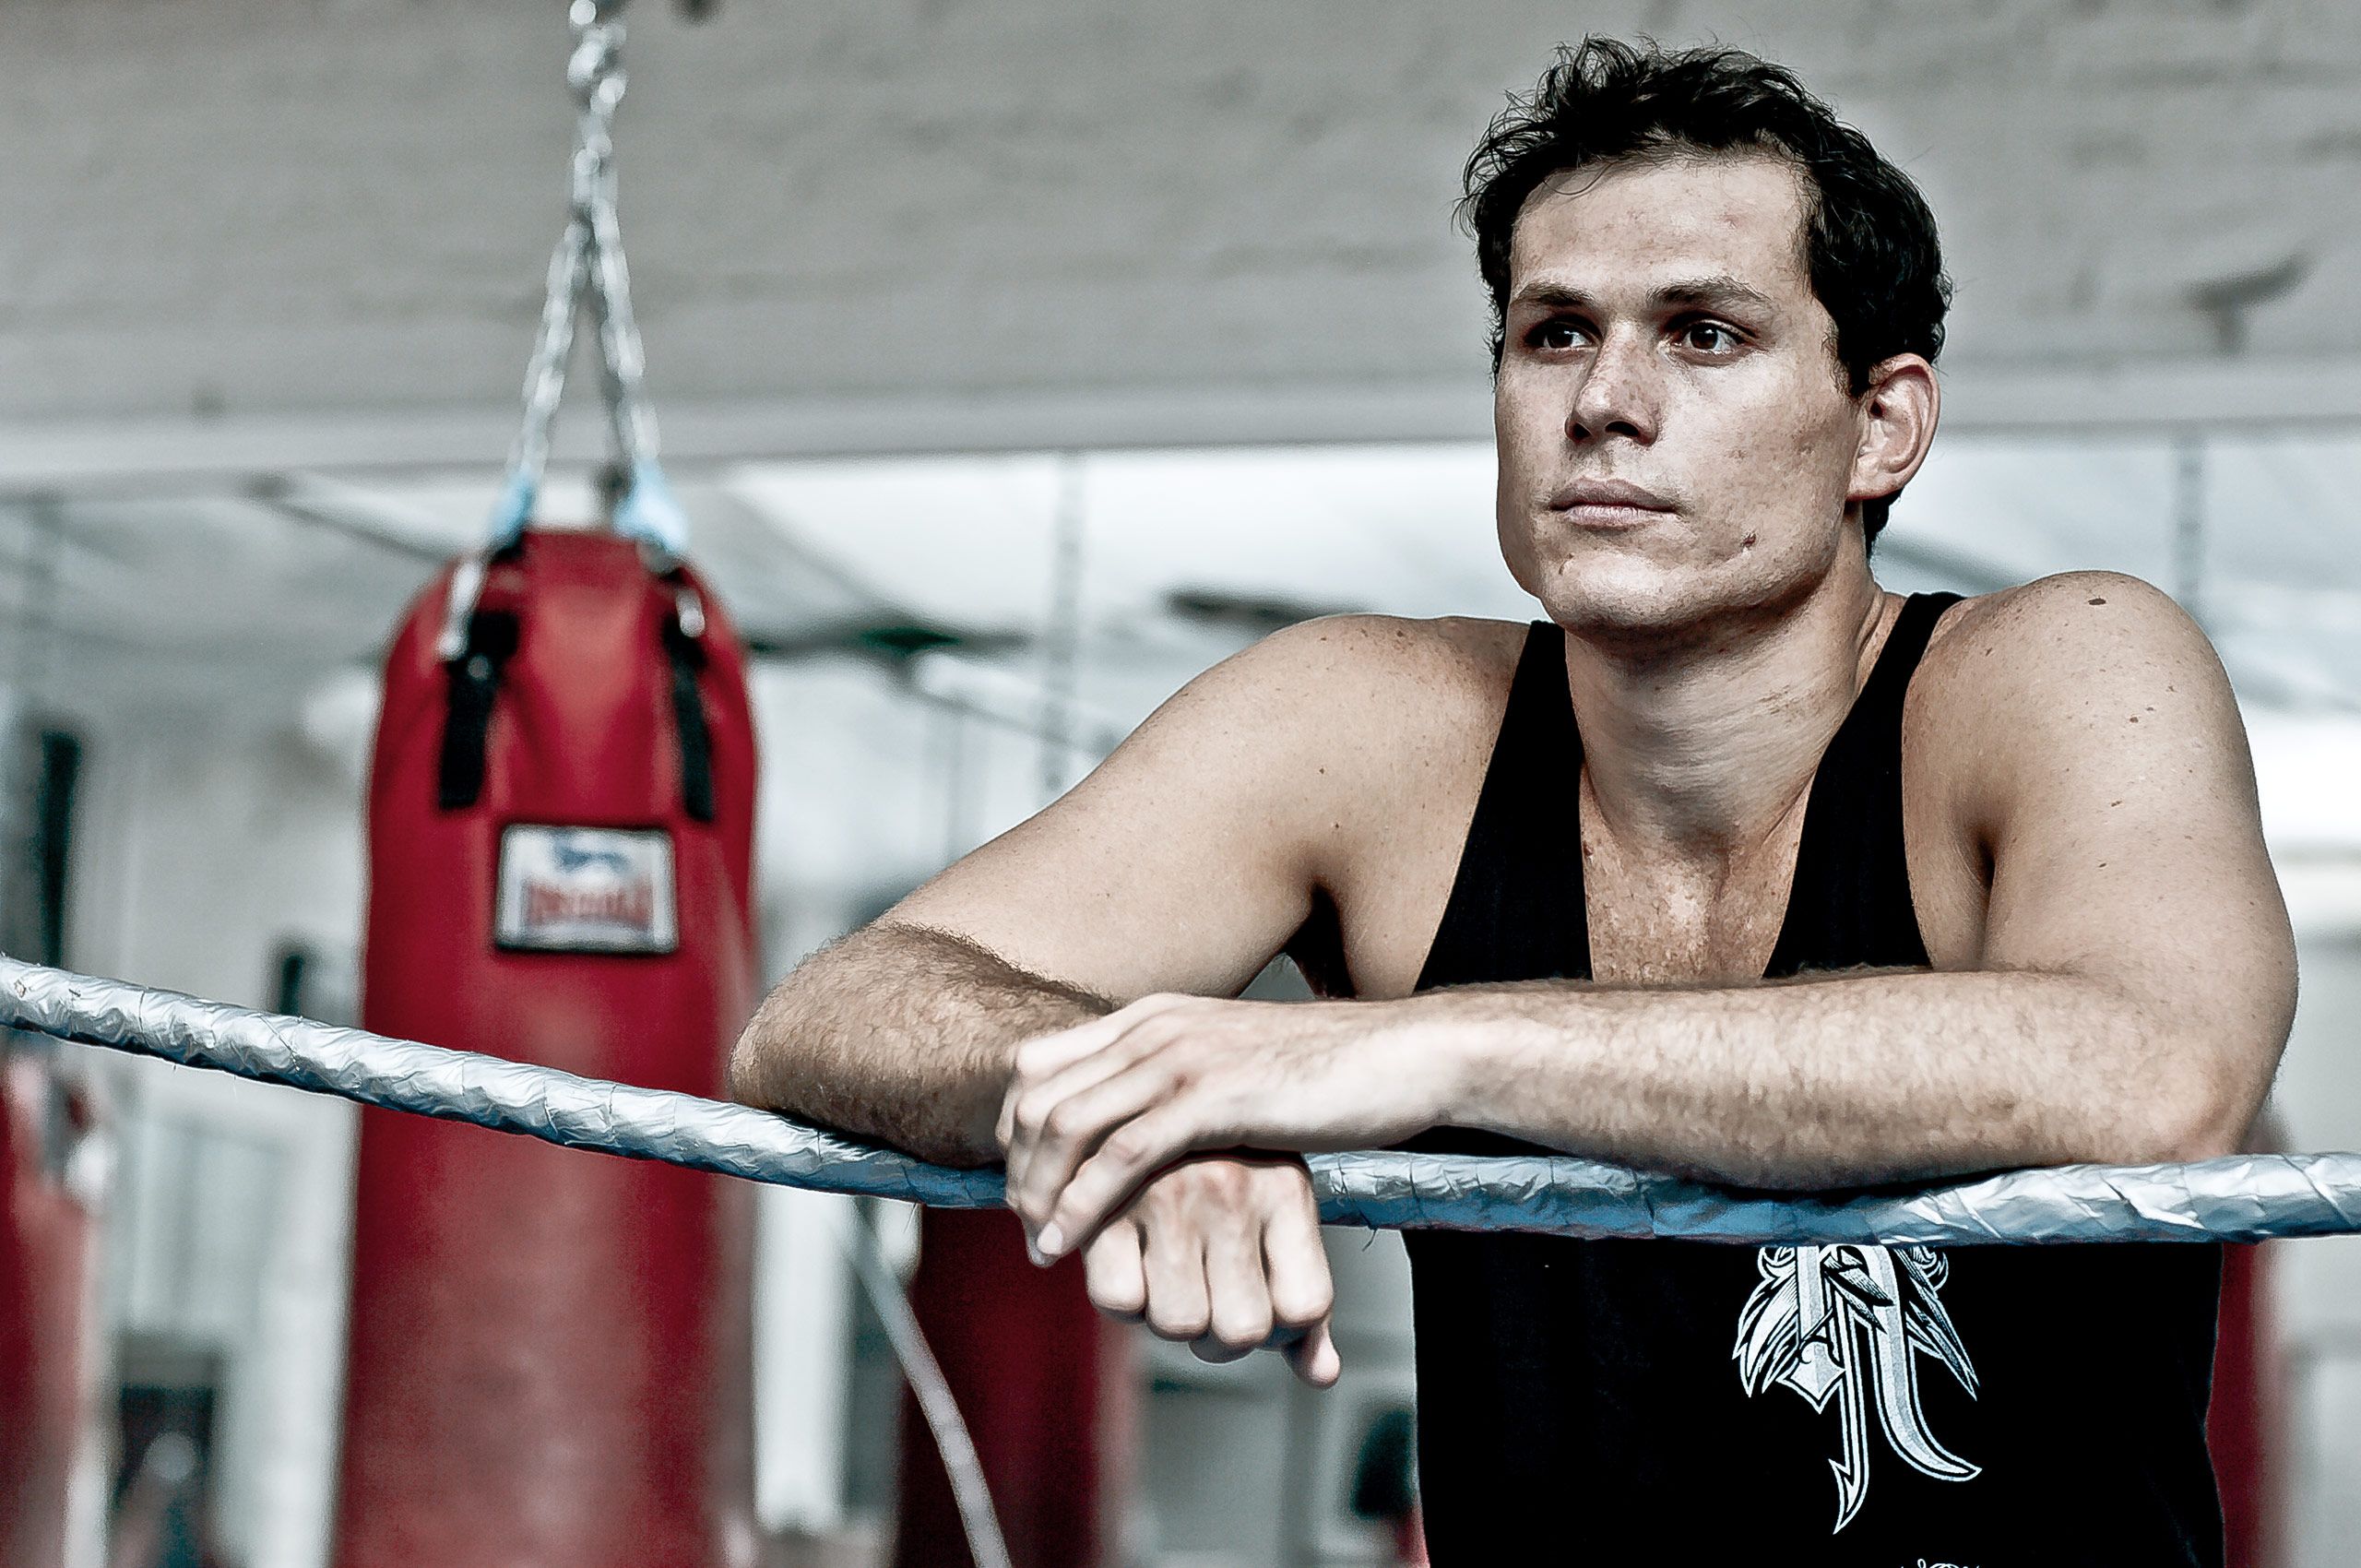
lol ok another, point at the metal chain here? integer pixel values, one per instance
(588, 268)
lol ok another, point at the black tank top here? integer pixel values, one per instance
(1704, 1406)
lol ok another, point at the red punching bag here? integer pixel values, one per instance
(1039, 1376)
(549, 1351)
(48, 1247)
(2242, 1426)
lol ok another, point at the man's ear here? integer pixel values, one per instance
(1898, 410)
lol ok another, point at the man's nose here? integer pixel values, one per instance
(1618, 393)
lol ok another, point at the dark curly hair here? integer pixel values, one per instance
(1869, 245)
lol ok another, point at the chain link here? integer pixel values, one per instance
(588, 268)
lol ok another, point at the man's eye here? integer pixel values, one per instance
(1554, 335)
(1709, 337)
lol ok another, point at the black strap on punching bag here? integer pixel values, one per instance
(466, 721)
(492, 637)
(686, 656)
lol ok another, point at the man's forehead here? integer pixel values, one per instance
(1665, 223)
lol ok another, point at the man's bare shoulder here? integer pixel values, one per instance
(1363, 736)
(1358, 685)
(1446, 656)
(2062, 633)
(2097, 664)
(1193, 851)
(1327, 723)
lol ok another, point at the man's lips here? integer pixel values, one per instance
(1606, 492)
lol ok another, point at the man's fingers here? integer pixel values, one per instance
(1043, 1167)
(1042, 1055)
(1059, 1120)
(1223, 1254)
(1240, 1295)
(1174, 1260)
(1050, 1070)
(1115, 1271)
(1213, 1351)
(1303, 1293)
(1150, 1140)
(1314, 1357)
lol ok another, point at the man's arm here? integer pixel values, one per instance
(2135, 985)
(2137, 978)
(901, 1034)
(1183, 863)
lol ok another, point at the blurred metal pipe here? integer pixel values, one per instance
(2247, 398)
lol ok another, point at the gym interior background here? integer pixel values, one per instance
(1015, 361)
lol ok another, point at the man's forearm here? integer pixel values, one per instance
(1838, 1080)
(902, 1035)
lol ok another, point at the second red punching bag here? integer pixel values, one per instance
(2242, 1425)
(1040, 1378)
(48, 1254)
(549, 1351)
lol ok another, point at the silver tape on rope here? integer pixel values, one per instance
(2244, 1198)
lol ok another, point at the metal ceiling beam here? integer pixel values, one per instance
(2209, 396)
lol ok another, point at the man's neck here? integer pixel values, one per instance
(1702, 750)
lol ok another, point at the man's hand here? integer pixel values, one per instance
(1093, 1110)
(1223, 1254)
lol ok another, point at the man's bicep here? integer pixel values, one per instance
(1180, 865)
(2126, 840)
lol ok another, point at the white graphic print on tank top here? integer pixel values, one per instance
(1846, 1322)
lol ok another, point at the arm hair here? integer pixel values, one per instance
(903, 1035)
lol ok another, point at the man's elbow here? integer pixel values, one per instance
(2208, 1116)
(2191, 1139)
(739, 1082)
(2187, 1084)
(748, 1075)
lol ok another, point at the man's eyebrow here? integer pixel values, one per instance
(1719, 290)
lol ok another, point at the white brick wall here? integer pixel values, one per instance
(258, 205)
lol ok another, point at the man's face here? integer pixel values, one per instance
(1661, 332)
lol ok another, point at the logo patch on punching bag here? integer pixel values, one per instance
(586, 890)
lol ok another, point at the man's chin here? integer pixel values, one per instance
(1612, 601)
(1636, 599)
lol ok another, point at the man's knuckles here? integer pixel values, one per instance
(1128, 1145)
(1154, 1004)
(1030, 1110)
(1302, 1309)
(1201, 1196)
(1185, 1321)
(1241, 1328)
(1219, 1354)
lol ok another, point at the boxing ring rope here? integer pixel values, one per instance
(2242, 1198)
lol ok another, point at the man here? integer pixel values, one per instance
(1735, 867)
